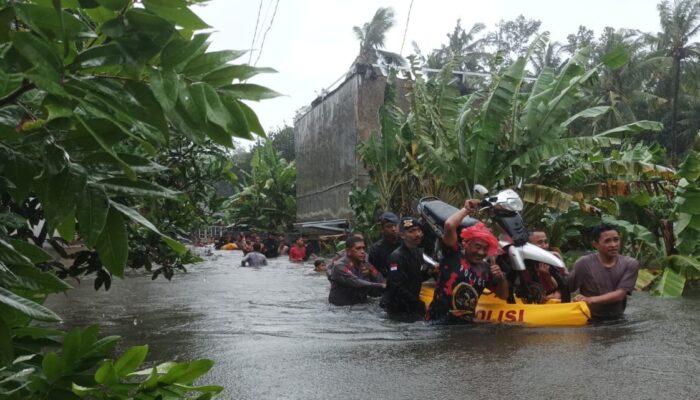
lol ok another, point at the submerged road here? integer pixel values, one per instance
(273, 335)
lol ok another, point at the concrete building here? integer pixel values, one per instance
(326, 139)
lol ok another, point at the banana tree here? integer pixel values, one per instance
(685, 265)
(269, 199)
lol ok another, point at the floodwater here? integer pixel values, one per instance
(273, 335)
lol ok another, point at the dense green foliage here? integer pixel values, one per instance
(112, 122)
(266, 200)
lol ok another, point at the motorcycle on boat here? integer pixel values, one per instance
(517, 257)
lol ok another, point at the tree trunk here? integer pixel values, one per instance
(668, 237)
(674, 109)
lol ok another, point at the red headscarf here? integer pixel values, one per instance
(480, 231)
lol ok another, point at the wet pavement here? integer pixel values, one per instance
(273, 335)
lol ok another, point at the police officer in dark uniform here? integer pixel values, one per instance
(381, 249)
(405, 276)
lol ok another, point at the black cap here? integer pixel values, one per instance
(408, 223)
(389, 217)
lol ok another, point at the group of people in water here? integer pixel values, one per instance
(395, 270)
(257, 251)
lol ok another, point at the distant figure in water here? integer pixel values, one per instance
(255, 258)
(298, 251)
(319, 265)
(283, 248)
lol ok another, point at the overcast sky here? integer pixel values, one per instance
(311, 43)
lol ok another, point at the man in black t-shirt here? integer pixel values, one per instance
(466, 265)
(405, 274)
(271, 246)
(390, 241)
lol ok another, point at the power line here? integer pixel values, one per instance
(255, 33)
(408, 18)
(266, 31)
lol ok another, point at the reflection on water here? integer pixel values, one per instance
(273, 335)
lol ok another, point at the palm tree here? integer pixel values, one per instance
(680, 21)
(372, 34)
(547, 56)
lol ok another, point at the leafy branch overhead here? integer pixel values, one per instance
(108, 109)
(89, 86)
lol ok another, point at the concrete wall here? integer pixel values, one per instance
(326, 141)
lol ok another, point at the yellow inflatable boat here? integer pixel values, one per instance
(494, 310)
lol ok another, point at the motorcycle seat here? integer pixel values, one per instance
(435, 212)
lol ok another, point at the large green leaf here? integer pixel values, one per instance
(92, 214)
(7, 351)
(34, 253)
(20, 171)
(632, 128)
(52, 25)
(240, 123)
(106, 374)
(9, 83)
(71, 348)
(33, 279)
(670, 284)
(186, 373)
(179, 51)
(550, 197)
(102, 142)
(114, 5)
(102, 347)
(689, 203)
(130, 360)
(690, 168)
(617, 58)
(27, 307)
(499, 104)
(141, 34)
(138, 218)
(250, 91)
(99, 56)
(207, 97)
(112, 246)
(10, 256)
(227, 74)
(66, 228)
(62, 195)
(45, 63)
(592, 112)
(252, 120)
(136, 188)
(207, 62)
(644, 279)
(53, 367)
(683, 264)
(177, 12)
(165, 87)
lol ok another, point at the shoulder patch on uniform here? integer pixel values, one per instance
(393, 267)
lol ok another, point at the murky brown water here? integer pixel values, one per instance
(273, 335)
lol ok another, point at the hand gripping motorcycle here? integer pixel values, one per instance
(518, 256)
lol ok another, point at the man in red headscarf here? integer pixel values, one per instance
(464, 263)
